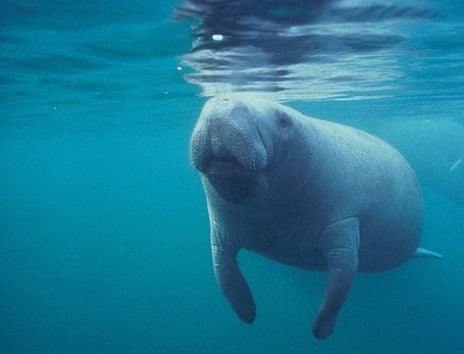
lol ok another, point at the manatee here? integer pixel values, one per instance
(305, 192)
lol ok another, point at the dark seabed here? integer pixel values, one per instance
(103, 224)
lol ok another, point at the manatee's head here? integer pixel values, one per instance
(235, 143)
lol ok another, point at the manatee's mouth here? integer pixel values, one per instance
(232, 180)
(224, 165)
(241, 158)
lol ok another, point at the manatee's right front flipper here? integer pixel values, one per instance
(339, 242)
(230, 278)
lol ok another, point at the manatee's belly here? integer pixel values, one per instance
(383, 245)
(289, 245)
(386, 244)
(389, 236)
(305, 260)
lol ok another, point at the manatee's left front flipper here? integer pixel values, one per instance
(339, 242)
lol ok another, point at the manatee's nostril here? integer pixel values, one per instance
(226, 99)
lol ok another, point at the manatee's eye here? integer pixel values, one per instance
(283, 121)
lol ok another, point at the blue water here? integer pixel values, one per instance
(103, 224)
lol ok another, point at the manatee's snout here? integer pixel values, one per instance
(227, 140)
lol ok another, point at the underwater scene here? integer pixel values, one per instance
(107, 200)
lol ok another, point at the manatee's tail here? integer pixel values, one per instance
(423, 253)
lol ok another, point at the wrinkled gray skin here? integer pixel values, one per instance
(305, 192)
